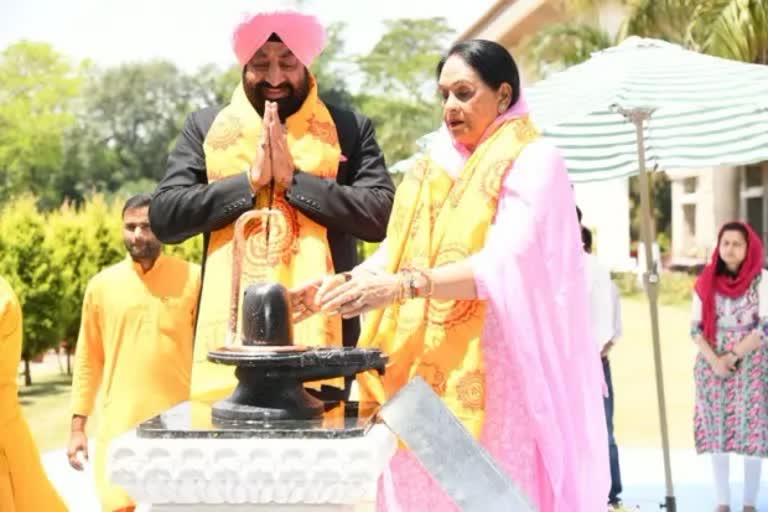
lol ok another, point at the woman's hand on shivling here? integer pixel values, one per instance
(302, 299)
(353, 293)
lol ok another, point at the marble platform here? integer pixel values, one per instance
(180, 461)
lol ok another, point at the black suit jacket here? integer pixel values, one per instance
(354, 206)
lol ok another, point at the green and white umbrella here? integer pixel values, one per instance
(651, 103)
(703, 111)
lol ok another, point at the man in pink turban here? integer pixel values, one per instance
(276, 144)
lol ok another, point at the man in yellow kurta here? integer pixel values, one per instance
(135, 344)
(24, 487)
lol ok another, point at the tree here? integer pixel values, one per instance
(127, 121)
(190, 249)
(104, 231)
(66, 236)
(564, 45)
(399, 123)
(216, 85)
(329, 69)
(670, 20)
(418, 45)
(400, 93)
(84, 241)
(735, 29)
(131, 116)
(739, 30)
(25, 257)
(37, 88)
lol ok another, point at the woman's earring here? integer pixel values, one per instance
(502, 108)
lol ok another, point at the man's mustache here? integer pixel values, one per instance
(285, 86)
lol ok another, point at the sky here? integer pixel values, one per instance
(195, 32)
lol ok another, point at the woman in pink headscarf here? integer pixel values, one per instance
(480, 289)
(729, 325)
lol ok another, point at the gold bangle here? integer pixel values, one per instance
(412, 291)
(426, 274)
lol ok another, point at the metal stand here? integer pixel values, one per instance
(651, 280)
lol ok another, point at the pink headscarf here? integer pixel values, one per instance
(301, 33)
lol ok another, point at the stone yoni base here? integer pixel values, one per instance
(286, 474)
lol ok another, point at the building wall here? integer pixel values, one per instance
(698, 212)
(602, 204)
(513, 22)
(727, 182)
(753, 197)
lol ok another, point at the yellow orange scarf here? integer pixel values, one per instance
(436, 221)
(298, 247)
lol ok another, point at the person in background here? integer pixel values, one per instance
(729, 323)
(134, 345)
(24, 486)
(605, 314)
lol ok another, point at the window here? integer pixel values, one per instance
(689, 215)
(754, 201)
(755, 214)
(753, 176)
(690, 184)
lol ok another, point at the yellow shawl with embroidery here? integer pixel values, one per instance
(298, 247)
(436, 221)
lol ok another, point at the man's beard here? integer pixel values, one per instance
(144, 251)
(286, 106)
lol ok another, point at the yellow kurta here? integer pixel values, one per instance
(135, 345)
(24, 486)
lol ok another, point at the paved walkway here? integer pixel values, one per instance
(643, 478)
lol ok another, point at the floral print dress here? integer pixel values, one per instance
(731, 414)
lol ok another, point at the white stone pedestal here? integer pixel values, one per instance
(286, 475)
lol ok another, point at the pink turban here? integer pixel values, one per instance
(301, 33)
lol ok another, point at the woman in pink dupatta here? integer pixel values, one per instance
(544, 420)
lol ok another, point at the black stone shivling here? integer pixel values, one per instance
(271, 370)
(267, 315)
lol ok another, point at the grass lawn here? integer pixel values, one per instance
(636, 417)
(46, 408)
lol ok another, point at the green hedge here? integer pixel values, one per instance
(675, 288)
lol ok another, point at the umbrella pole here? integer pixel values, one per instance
(651, 281)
